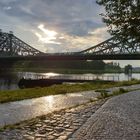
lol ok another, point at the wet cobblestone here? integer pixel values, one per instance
(59, 125)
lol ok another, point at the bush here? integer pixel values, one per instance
(122, 90)
(103, 94)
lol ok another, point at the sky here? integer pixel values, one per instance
(56, 25)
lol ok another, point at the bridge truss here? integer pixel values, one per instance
(115, 46)
(111, 49)
(10, 45)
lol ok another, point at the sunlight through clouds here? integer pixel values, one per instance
(49, 33)
(49, 36)
(55, 25)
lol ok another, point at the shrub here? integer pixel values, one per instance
(103, 94)
(122, 90)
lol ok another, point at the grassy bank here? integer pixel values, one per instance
(6, 96)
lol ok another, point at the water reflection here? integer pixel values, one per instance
(33, 75)
(10, 81)
(14, 112)
(49, 100)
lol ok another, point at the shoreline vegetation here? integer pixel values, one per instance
(60, 70)
(21, 94)
(65, 67)
(71, 66)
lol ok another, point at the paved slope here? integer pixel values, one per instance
(117, 119)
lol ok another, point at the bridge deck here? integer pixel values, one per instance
(73, 57)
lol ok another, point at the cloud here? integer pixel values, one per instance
(7, 8)
(70, 43)
(69, 16)
(90, 40)
(68, 25)
(49, 35)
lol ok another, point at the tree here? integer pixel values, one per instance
(122, 17)
(128, 69)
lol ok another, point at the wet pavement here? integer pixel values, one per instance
(15, 112)
(59, 125)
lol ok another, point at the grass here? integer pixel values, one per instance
(15, 95)
(120, 91)
(104, 94)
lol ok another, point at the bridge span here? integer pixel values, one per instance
(115, 48)
(71, 57)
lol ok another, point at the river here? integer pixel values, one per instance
(9, 81)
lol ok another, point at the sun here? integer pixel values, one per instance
(49, 35)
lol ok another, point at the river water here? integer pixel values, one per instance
(9, 81)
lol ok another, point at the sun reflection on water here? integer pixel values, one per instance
(51, 74)
(49, 100)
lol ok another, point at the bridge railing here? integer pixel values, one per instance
(78, 77)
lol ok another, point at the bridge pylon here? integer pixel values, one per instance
(10, 45)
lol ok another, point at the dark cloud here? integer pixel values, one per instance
(76, 17)
(73, 19)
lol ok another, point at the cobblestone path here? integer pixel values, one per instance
(59, 125)
(117, 119)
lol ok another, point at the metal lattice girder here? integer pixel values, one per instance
(10, 45)
(115, 46)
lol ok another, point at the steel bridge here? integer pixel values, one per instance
(10, 45)
(12, 48)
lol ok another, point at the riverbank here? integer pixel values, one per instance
(21, 94)
(72, 116)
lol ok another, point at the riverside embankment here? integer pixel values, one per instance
(69, 122)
